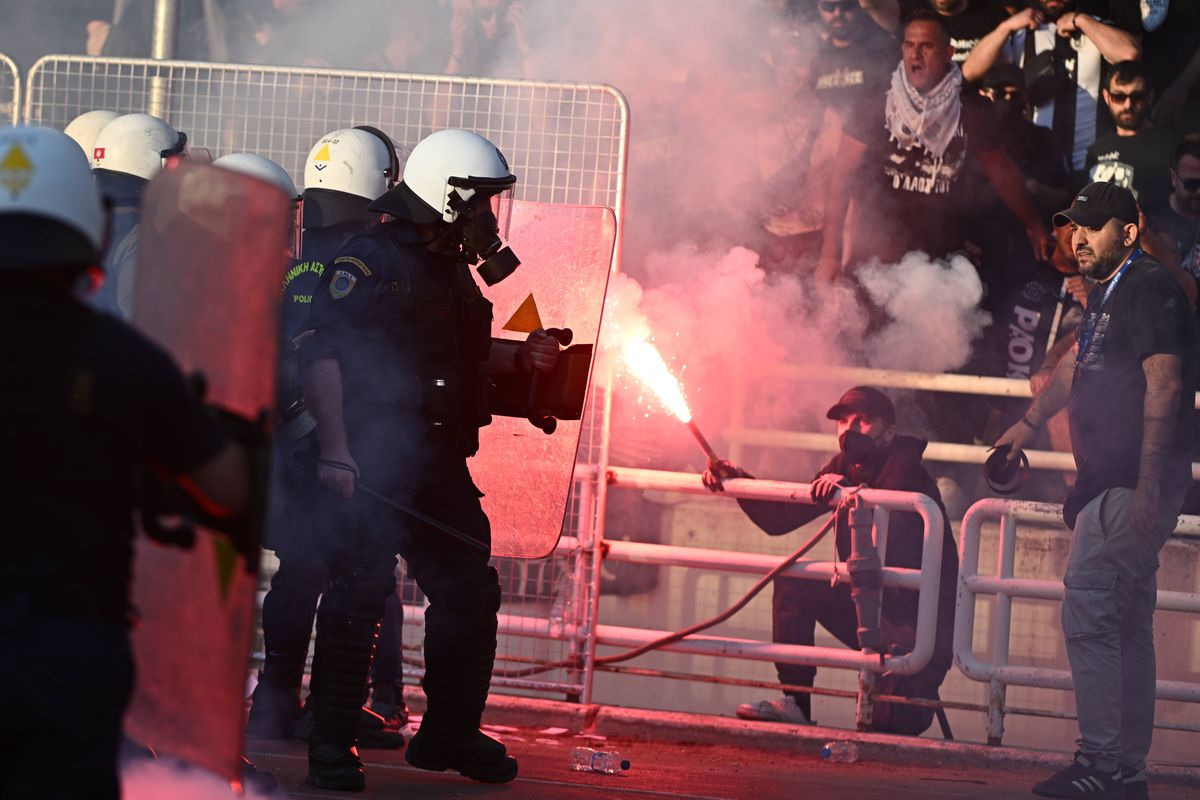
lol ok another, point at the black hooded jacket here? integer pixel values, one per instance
(896, 467)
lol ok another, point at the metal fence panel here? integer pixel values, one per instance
(10, 90)
(567, 144)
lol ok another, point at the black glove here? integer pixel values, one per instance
(719, 471)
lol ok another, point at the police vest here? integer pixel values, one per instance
(432, 316)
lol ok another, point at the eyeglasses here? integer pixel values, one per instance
(1137, 98)
(1190, 185)
(830, 6)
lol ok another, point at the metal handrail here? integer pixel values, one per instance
(928, 578)
(1005, 587)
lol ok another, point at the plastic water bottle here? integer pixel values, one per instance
(840, 752)
(585, 759)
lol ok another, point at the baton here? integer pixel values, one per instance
(452, 532)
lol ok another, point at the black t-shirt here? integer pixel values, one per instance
(1146, 314)
(1141, 163)
(978, 20)
(87, 401)
(845, 77)
(922, 202)
(1183, 231)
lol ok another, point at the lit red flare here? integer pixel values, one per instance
(647, 365)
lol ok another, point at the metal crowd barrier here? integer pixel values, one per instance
(925, 580)
(567, 142)
(10, 90)
(998, 673)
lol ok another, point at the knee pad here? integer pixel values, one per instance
(360, 593)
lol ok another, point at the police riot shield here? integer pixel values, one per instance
(212, 249)
(525, 473)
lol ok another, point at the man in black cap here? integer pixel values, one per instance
(872, 455)
(1127, 390)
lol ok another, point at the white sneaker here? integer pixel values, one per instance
(782, 710)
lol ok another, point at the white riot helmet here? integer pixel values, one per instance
(137, 144)
(87, 126)
(51, 212)
(442, 173)
(360, 161)
(262, 168)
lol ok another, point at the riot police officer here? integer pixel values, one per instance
(127, 153)
(345, 170)
(85, 404)
(396, 374)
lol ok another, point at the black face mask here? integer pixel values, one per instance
(482, 244)
(1009, 112)
(858, 448)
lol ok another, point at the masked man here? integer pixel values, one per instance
(872, 455)
(397, 376)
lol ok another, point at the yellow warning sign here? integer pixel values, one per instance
(16, 171)
(322, 154)
(527, 319)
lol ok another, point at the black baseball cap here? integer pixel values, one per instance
(864, 400)
(1097, 203)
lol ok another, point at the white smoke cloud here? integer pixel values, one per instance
(721, 322)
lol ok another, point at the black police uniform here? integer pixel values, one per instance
(290, 606)
(86, 402)
(411, 333)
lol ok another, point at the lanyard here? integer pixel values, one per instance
(1089, 328)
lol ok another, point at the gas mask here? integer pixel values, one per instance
(481, 242)
(858, 448)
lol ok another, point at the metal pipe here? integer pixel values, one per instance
(164, 30)
(933, 523)
(745, 563)
(164, 33)
(970, 582)
(900, 379)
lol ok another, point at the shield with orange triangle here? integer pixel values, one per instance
(525, 473)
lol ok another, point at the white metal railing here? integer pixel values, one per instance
(1005, 586)
(741, 432)
(10, 90)
(925, 580)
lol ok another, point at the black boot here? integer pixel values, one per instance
(476, 755)
(274, 708)
(345, 645)
(460, 649)
(287, 619)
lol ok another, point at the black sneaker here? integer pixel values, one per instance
(1082, 780)
(476, 756)
(1134, 780)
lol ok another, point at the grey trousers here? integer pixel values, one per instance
(1107, 618)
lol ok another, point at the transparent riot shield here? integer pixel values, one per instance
(213, 244)
(525, 474)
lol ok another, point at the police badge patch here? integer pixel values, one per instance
(341, 284)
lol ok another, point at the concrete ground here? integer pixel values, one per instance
(699, 757)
